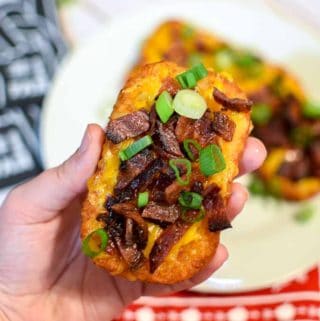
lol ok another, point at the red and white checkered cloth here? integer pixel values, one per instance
(298, 299)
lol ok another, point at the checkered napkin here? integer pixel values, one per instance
(298, 299)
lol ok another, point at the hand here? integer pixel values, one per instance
(43, 273)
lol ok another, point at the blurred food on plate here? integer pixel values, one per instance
(283, 117)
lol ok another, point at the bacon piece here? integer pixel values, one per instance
(273, 134)
(141, 182)
(200, 130)
(130, 254)
(157, 189)
(236, 104)
(184, 128)
(161, 213)
(129, 211)
(223, 126)
(203, 130)
(127, 126)
(296, 165)
(129, 232)
(266, 95)
(170, 85)
(133, 167)
(172, 192)
(169, 140)
(168, 238)
(216, 210)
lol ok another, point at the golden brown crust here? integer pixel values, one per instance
(198, 245)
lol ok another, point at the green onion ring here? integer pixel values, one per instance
(104, 237)
(182, 161)
(186, 147)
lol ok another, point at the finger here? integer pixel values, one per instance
(220, 257)
(238, 198)
(53, 190)
(253, 156)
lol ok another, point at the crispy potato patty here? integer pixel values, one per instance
(197, 244)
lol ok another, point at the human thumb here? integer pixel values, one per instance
(55, 188)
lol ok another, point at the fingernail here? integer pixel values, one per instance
(85, 141)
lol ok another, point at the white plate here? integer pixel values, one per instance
(265, 245)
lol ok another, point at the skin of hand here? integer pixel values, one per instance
(43, 273)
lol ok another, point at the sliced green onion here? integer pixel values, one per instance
(173, 163)
(211, 160)
(194, 59)
(257, 186)
(304, 214)
(261, 114)
(191, 219)
(135, 148)
(311, 110)
(199, 71)
(90, 246)
(250, 63)
(223, 59)
(143, 199)
(189, 103)
(186, 147)
(164, 107)
(190, 200)
(246, 59)
(189, 78)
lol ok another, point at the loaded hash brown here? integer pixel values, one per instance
(157, 201)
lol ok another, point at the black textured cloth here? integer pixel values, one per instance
(31, 47)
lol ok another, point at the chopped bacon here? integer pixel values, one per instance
(129, 211)
(169, 140)
(127, 126)
(161, 213)
(184, 128)
(141, 182)
(216, 210)
(223, 126)
(236, 104)
(129, 232)
(265, 95)
(273, 134)
(200, 130)
(132, 256)
(133, 167)
(168, 238)
(203, 130)
(172, 192)
(170, 85)
(295, 170)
